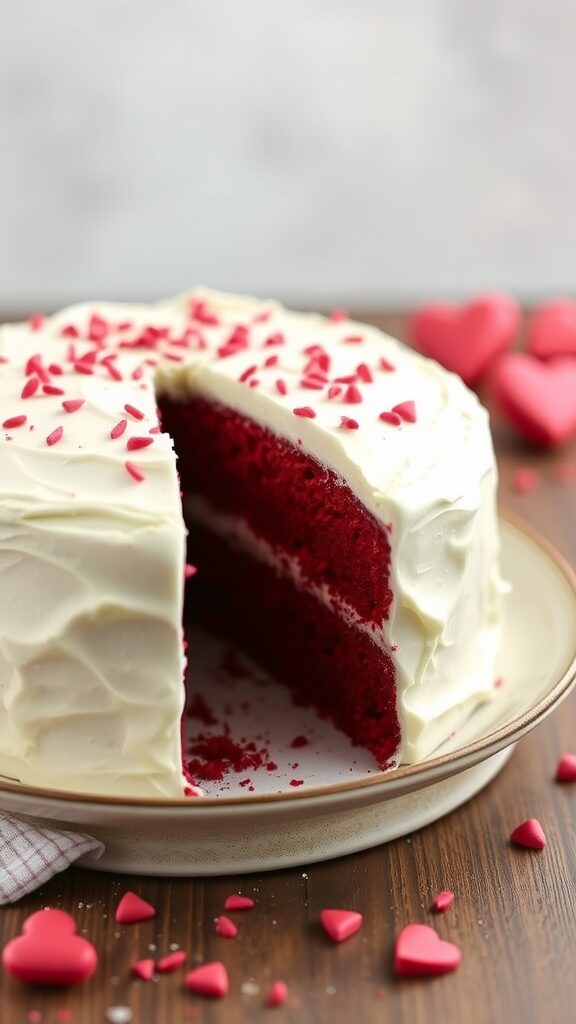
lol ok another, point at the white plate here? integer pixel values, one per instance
(344, 803)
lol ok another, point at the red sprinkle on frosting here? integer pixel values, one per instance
(133, 411)
(338, 315)
(72, 405)
(271, 361)
(352, 395)
(51, 389)
(14, 421)
(247, 373)
(406, 410)
(37, 321)
(348, 424)
(305, 412)
(55, 436)
(354, 339)
(135, 472)
(275, 339)
(31, 387)
(386, 365)
(281, 387)
(364, 373)
(119, 429)
(70, 331)
(334, 391)
(390, 417)
(134, 443)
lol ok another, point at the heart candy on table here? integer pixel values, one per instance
(420, 950)
(340, 924)
(466, 339)
(49, 952)
(566, 768)
(530, 833)
(552, 330)
(209, 979)
(132, 909)
(538, 398)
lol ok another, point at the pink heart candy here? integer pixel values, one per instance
(420, 950)
(566, 769)
(237, 902)
(340, 924)
(49, 952)
(552, 330)
(530, 833)
(209, 979)
(132, 908)
(143, 969)
(466, 340)
(538, 398)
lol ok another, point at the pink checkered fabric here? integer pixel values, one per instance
(29, 855)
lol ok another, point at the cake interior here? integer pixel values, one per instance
(291, 567)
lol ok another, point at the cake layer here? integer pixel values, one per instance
(300, 507)
(303, 643)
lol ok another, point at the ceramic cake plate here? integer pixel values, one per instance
(296, 801)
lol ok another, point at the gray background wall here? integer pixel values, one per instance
(354, 151)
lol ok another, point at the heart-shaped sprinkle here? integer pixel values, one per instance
(406, 411)
(340, 924)
(443, 901)
(469, 339)
(237, 902)
(49, 952)
(530, 833)
(552, 330)
(132, 908)
(278, 994)
(420, 950)
(566, 769)
(538, 398)
(209, 979)
(143, 969)
(226, 928)
(171, 962)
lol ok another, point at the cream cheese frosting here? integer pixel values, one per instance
(92, 539)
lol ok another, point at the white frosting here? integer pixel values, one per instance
(91, 560)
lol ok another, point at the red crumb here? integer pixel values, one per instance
(277, 994)
(566, 768)
(525, 480)
(171, 962)
(225, 927)
(199, 709)
(296, 782)
(443, 901)
(135, 472)
(55, 436)
(564, 473)
(14, 421)
(299, 741)
(238, 902)
(305, 411)
(215, 756)
(119, 429)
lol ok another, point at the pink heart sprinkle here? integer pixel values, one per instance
(209, 979)
(237, 902)
(171, 962)
(443, 901)
(340, 924)
(530, 833)
(226, 928)
(566, 769)
(49, 952)
(278, 994)
(132, 908)
(552, 330)
(421, 951)
(143, 969)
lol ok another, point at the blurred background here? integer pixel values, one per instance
(369, 153)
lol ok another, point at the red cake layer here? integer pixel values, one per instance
(326, 663)
(298, 506)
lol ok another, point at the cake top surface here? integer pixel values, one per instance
(78, 391)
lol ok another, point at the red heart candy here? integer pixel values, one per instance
(340, 924)
(552, 330)
(466, 340)
(143, 969)
(132, 908)
(237, 902)
(420, 950)
(566, 770)
(209, 980)
(49, 952)
(225, 927)
(171, 962)
(538, 398)
(530, 833)
(278, 994)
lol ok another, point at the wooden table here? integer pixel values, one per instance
(514, 915)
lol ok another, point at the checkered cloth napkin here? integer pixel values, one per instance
(29, 855)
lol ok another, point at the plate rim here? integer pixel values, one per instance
(495, 740)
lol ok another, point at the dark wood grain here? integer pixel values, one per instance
(514, 915)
